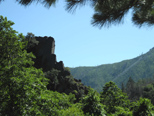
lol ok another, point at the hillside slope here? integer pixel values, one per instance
(137, 68)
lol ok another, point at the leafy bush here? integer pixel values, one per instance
(91, 104)
(143, 107)
(112, 97)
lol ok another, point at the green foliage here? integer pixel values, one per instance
(67, 69)
(23, 87)
(120, 111)
(53, 79)
(143, 107)
(20, 83)
(31, 41)
(131, 89)
(142, 88)
(73, 110)
(113, 97)
(91, 104)
(46, 3)
(148, 92)
(62, 82)
(108, 12)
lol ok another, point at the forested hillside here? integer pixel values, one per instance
(137, 68)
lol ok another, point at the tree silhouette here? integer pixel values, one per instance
(108, 12)
(46, 3)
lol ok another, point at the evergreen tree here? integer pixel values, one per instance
(130, 87)
(133, 90)
(148, 92)
(122, 87)
(46, 3)
(109, 12)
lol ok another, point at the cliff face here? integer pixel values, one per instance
(59, 78)
(43, 48)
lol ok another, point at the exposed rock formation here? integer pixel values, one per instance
(59, 79)
(43, 48)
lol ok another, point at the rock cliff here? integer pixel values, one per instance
(59, 78)
(43, 48)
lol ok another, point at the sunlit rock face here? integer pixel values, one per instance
(44, 48)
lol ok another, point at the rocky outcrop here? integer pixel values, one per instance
(43, 48)
(65, 84)
(60, 79)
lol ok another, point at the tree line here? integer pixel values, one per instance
(142, 88)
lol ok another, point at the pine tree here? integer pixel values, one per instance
(46, 3)
(108, 12)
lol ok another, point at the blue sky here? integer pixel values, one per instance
(78, 43)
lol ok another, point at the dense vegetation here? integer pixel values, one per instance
(23, 88)
(138, 68)
(142, 88)
(59, 77)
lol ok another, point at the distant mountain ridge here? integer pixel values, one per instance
(137, 68)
